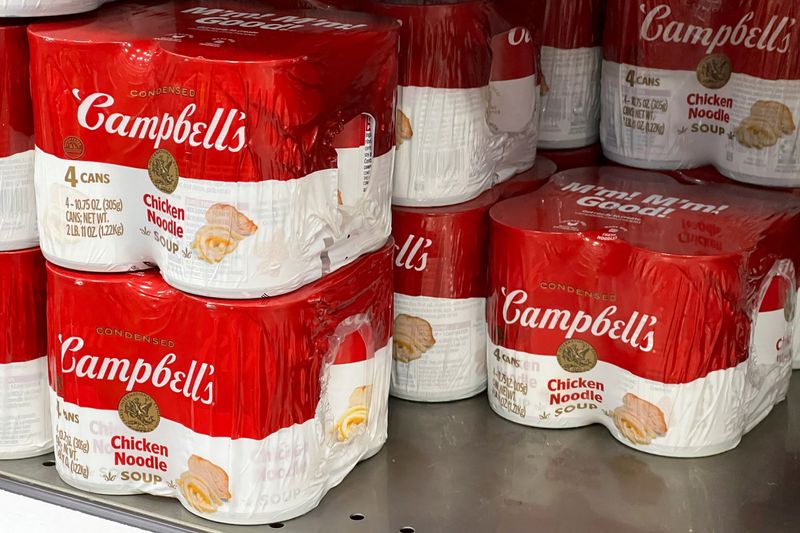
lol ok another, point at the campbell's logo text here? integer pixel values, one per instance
(774, 37)
(194, 382)
(412, 255)
(224, 133)
(636, 330)
(519, 35)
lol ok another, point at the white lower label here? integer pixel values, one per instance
(571, 101)
(703, 417)
(449, 151)
(17, 202)
(454, 366)
(33, 8)
(512, 104)
(24, 410)
(665, 119)
(102, 217)
(238, 481)
(769, 335)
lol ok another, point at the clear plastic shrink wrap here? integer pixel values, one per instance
(245, 151)
(467, 109)
(24, 403)
(248, 412)
(441, 258)
(17, 198)
(661, 310)
(571, 33)
(468, 101)
(687, 84)
(710, 175)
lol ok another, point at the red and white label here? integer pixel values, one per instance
(17, 199)
(235, 426)
(24, 404)
(571, 57)
(693, 84)
(593, 318)
(440, 293)
(187, 167)
(513, 84)
(467, 113)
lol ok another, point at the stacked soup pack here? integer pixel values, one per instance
(246, 153)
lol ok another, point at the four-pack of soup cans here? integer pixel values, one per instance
(230, 230)
(247, 153)
(687, 84)
(662, 310)
(243, 153)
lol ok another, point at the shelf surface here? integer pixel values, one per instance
(458, 467)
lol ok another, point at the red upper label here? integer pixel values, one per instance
(233, 92)
(669, 296)
(564, 24)
(449, 45)
(441, 252)
(240, 369)
(16, 115)
(513, 55)
(759, 38)
(571, 24)
(22, 306)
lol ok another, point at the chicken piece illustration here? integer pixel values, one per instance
(413, 336)
(638, 420)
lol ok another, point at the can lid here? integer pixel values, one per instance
(216, 30)
(649, 210)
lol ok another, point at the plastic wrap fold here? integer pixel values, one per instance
(571, 33)
(661, 310)
(245, 151)
(24, 403)
(468, 103)
(247, 411)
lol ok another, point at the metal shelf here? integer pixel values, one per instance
(458, 467)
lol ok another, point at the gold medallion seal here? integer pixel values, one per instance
(714, 71)
(163, 171)
(139, 412)
(73, 147)
(576, 356)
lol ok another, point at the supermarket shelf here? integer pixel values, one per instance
(459, 468)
